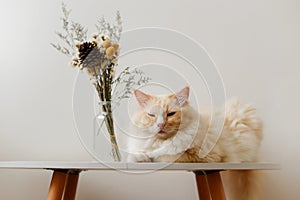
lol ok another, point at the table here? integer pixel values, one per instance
(65, 174)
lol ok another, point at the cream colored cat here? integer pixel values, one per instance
(168, 129)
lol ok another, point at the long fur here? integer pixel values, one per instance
(188, 135)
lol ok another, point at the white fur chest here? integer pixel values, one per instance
(182, 141)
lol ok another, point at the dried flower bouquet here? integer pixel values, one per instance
(98, 57)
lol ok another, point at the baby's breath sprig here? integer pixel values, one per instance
(73, 33)
(129, 79)
(111, 31)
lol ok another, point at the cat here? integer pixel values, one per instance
(169, 129)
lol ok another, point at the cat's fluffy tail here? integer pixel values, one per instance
(245, 127)
(244, 184)
(242, 117)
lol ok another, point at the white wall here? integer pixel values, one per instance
(255, 45)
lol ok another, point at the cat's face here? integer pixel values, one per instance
(161, 115)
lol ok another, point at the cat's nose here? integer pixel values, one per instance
(161, 125)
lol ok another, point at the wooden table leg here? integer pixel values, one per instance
(57, 185)
(71, 185)
(203, 189)
(215, 186)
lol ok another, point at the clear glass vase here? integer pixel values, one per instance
(104, 124)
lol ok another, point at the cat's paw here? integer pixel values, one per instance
(140, 157)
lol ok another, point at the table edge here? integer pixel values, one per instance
(137, 166)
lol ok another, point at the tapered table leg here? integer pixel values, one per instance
(215, 186)
(57, 185)
(71, 186)
(203, 190)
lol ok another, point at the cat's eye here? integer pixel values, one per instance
(171, 114)
(151, 115)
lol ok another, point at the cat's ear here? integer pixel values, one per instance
(142, 98)
(182, 96)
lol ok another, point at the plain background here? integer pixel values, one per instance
(255, 45)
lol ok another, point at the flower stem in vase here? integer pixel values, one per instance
(103, 87)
